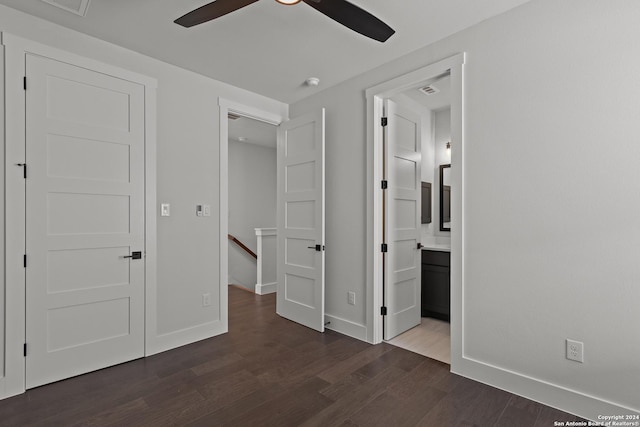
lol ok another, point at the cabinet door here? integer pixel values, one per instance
(426, 203)
(435, 291)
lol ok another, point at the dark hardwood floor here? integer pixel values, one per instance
(268, 371)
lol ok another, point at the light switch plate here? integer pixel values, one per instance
(207, 210)
(199, 210)
(165, 209)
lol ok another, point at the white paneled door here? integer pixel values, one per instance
(402, 219)
(301, 220)
(85, 220)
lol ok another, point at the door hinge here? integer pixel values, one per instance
(24, 82)
(384, 121)
(24, 260)
(384, 247)
(383, 311)
(24, 169)
(24, 350)
(384, 184)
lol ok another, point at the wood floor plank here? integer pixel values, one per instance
(268, 371)
(519, 411)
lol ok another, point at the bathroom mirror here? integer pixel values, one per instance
(445, 197)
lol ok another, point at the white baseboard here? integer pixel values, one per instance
(555, 396)
(266, 288)
(345, 327)
(185, 336)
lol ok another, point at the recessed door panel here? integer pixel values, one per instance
(301, 214)
(72, 213)
(297, 253)
(71, 100)
(301, 177)
(301, 140)
(405, 291)
(101, 160)
(299, 290)
(405, 218)
(75, 269)
(405, 172)
(82, 324)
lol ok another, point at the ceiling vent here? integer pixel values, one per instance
(232, 116)
(429, 90)
(79, 7)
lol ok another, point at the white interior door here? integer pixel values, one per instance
(402, 219)
(301, 220)
(85, 215)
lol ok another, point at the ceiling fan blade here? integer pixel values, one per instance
(351, 16)
(211, 11)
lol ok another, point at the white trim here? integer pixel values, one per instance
(271, 117)
(345, 327)
(151, 255)
(266, 231)
(574, 402)
(263, 288)
(36, 48)
(15, 50)
(266, 288)
(375, 99)
(2, 227)
(186, 336)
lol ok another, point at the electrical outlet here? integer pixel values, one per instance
(206, 300)
(351, 298)
(575, 350)
(165, 209)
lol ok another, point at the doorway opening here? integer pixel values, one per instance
(227, 108)
(405, 90)
(299, 199)
(430, 102)
(252, 204)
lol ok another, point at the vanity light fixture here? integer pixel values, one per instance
(288, 2)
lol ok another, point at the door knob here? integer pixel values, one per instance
(134, 255)
(318, 248)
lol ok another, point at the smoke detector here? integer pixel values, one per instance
(429, 90)
(79, 7)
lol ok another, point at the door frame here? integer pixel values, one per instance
(272, 117)
(375, 100)
(16, 48)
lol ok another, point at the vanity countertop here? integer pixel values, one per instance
(437, 247)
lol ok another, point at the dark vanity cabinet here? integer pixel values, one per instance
(436, 285)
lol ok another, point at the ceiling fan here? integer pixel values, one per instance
(347, 14)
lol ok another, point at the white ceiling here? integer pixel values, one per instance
(437, 101)
(254, 132)
(266, 47)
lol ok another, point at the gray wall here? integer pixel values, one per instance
(551, 183)
(187, 174)
(252, 204)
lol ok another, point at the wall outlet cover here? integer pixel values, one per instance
(575, 351)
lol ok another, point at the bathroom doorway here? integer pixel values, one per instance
(446, 244)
